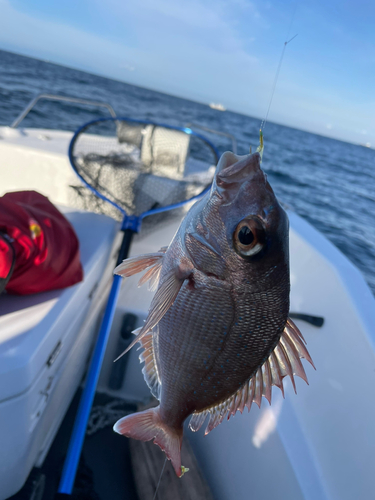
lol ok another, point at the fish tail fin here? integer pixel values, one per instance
(147, 425)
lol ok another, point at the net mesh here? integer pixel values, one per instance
(140, 167)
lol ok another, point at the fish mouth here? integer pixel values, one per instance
(233, 169)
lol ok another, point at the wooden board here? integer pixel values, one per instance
(147, 462)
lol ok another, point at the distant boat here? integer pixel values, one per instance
(217, 106)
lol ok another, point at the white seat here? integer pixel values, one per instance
(45, 340)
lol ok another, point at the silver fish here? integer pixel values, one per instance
(217, 335)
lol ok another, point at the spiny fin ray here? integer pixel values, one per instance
(283, 361)
(150, 370)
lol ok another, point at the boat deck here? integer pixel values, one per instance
(116, 468)
(105, 470)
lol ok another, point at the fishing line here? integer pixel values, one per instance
(264, 121)
(161, 473)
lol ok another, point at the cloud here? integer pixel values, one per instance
(59, 42)
(207, 14)
(172, 24)
(203, 58)
(215, 51)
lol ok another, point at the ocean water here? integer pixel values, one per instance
(328, 182)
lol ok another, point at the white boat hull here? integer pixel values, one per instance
(316, 445)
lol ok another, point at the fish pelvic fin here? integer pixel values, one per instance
(150, 370)
(152, 275)
(284, 360)
(135, 265)
(147, 425)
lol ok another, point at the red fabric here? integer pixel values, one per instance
(46, 246)
(6, 258)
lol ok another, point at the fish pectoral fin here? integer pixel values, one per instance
(284, 360)
(162, 301)
(137, 264)
(148, 425)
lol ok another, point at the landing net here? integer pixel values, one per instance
(140, 168)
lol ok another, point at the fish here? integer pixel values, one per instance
(217, 336)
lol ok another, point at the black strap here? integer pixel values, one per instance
(4, 280)
(317, 321)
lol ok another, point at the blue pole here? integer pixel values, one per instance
(79, 430)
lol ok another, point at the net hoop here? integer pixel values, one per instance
(134, 221)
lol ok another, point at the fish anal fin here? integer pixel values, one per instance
(147, 425)
(283, 361)
(150, 370)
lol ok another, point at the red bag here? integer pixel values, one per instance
(45, 246)
(7, 260)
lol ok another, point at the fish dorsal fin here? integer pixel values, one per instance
(150, 370)
(284, 360)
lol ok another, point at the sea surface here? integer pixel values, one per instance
(328, 182)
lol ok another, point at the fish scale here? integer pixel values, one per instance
(221, 336)
(244, 349)
(193, 350)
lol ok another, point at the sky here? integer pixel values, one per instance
(218, 51)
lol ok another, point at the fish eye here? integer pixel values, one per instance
(249, 237)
